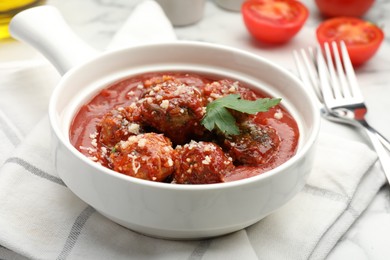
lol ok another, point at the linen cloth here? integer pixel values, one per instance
(40, 218)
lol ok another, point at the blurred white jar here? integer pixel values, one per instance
(232, 5)
(183, 12)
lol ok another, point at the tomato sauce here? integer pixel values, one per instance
(149, 127)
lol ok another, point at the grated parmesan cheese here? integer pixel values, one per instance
(135, 164)
(93, 158)
(133, 128)
(94, 135)
(164, 104)
(170, 162)
(278, 114)
(215, 95)
(142, 142)
(207, 160)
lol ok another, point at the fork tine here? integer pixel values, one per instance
(323, 74)
(309, 61)
(335, 84)
(343, 83)
(301, 69)
(350, 72)
(307, 71)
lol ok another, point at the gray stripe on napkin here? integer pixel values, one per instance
(325, 193)
(12, 137)
(354, 213)
(75, 232)
(200, 250)
(335, 197)
(332, 196)
(34, 170)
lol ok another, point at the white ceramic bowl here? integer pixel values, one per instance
(161, 209)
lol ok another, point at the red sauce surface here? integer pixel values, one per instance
(148, 127)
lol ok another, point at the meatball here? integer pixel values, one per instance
(221, 88)
(117, 125)
(255, 145)
(173, 108)
(201, 163)
(148, 156)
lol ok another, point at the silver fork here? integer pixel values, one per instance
(306, 62)
(338, 92)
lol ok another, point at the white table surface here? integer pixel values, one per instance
(96, 21)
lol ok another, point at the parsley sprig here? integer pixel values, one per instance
(218, 115)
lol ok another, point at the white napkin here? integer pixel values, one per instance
(147, 23)
(40, 218)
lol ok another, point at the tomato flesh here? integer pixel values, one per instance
(273, 21)
(362, 38)
(332, 8)
(275, 11)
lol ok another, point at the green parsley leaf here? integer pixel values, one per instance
(218, 116)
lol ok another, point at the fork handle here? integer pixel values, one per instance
(361, 123)
(383, 155)
(385, 142)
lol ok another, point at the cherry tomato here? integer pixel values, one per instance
(274, 21)
(333, 8)
(362, 38)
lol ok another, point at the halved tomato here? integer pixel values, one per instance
(362, 38)
(333, 8)
(274, 21)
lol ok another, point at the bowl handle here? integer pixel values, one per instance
(44, 28)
